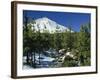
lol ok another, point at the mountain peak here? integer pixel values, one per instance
(48, 24)
(44, 17)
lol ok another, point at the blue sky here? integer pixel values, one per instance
(75, 20)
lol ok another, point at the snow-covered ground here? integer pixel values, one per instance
(27, 67)
(43, 61)
(43, 58)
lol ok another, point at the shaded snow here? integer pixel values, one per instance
(27, 67)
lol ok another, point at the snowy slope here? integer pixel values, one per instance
(49, 25)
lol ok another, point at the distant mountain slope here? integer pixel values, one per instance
(48, 24)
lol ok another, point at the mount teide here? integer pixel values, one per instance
(48, 24)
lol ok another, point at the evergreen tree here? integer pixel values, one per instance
(84, 44)
(57, 39)
(68, 39)
(29, 42)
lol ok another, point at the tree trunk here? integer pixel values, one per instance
(34, 65)
(27, 58)
(39, 57)
(31, 59)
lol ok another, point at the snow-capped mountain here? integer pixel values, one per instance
(48, 24)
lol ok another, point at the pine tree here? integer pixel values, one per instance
(57, 39)
(29, 39)
(84, 44)
(68, 39)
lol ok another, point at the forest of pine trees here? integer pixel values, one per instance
(78, 43)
